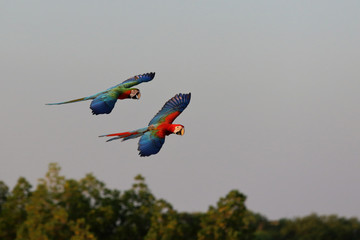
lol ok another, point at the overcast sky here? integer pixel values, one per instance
(275, 98)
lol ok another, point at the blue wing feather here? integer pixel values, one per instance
(176, 104)
(103, 104)
(150, 144)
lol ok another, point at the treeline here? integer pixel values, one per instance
(61, 209)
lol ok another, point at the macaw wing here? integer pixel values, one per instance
(150, 144)
(146, 77)
(172, 109)
(104, 103)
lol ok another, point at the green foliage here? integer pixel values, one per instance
(4, 191)
(46, 218)
(81, 230)
(320, 227)
(164, 223)
(227, 221)
(61, 208)
(13, 212)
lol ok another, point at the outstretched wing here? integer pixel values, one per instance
(146, 77)
(104, 103)
(172, 109)
(150, 144)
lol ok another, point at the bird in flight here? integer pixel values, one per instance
(104, 102)
(153, 136)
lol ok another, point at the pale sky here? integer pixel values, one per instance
(275, 98)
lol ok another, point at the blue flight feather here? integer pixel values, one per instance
(146, 77)
(102, 104)
(176, 104)
(150, 144)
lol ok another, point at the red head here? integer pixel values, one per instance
(178, 129)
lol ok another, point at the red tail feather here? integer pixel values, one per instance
(126, 135)
(123, 134)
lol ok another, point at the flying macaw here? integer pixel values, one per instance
(104, 102)
(153, 136)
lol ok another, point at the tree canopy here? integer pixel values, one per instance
(60, 208)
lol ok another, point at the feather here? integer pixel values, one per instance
(72, 101)
(126, 135)
(103, 104)
(172, 108)
(146, 77)
(150, 144)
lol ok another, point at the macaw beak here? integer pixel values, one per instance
(181, 132)
(136, 96)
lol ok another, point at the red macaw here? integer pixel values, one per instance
(153, 136)
(104, 102)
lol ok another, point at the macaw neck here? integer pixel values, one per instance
(165, 129)
(171, 127)
(124, 94)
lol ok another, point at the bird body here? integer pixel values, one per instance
(153, 136)
(104, 102)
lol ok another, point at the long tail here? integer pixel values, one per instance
(126, 135)
(72, 101)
